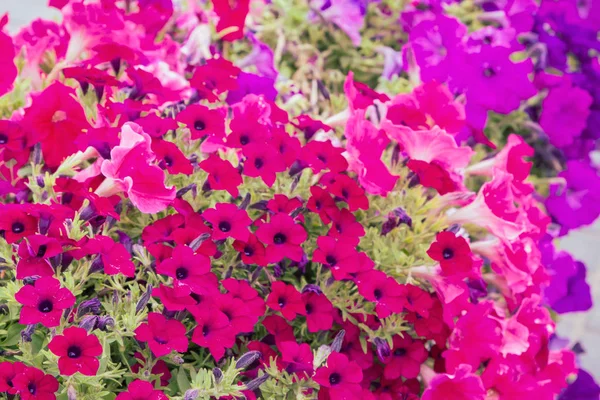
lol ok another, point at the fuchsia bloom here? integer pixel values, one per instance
(213, 331)
(323, 155)
(33, 384)
(34, 253)
(262, 161)
(349, 191)
(77, 352)
(141, 390)
(341, 377)
(218, 75)
(189, 271)
(17, 222)
(228, 221)
(252, 251)
(130, 170)
(383, 290)
(406, 358)
(283, 238)
(297, 358)
(203, 121)
(163, 335)
(111, 256)
(453, 253)
(319, 311)
(232, 17)
(8, 69)
(286, 299)
(340, 256)
(462, 385)
(171, 158)
(221, 175)
(8, 372)
(44, 302)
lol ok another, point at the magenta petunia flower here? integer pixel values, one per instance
(34, 384)
(189, 271)
(319, 311)
(34, 253)
(8, 372)
(77, 352)
(252, 251)
(8, 69)
(339, 255)
(323, 155)
(213, 331)
(171, 158)
(203, 121)
(286, 299)
(44, 302)
(283, 238)
(405, 358)
(462, 385)
(110, 256)
(162, 335)
(387, 294)
(228, 221)
(141, 390)
(297, 358)
(453, 253)
(341, 377)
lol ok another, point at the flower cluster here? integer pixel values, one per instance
(197, 205)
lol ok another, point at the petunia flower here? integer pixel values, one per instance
(17, 222)
(203, 121)
(33, 384)
(141, 390)
(8, 69)
(77, 352)
(319, 311)
(323, 155)
(217, 76)
(227, 221)
(387, 294)
(345, 226)
(453, 253)
(252, 251)
(189, 271)
(252, 84)
(8, 372)
(286, 299)
(262, 161)
(296, 358)
(34, 253)
(171, 158)
(232, 18)
(322, 203)
(341, 377)
(130, 169)
(462, 385)
(346, 14)
(283, 238)
(339, 255)
(212, 331)
(112, 257)
(348, 190)
(405, 358)
(162, 335)
(221, 175)
(242, 290)
(44, 302)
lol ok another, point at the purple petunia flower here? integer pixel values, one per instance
(252, 84)
(261, 57)
(348, 15)
(584, 388)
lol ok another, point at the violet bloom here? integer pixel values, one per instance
(348, 15)
(584, 388)
(437, 45)
(491, 80)
(577, 203)
(261, 57)
(564, 114)
(252, 84)
(392, 62)
(568, 291)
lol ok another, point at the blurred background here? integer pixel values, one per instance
(584, 244)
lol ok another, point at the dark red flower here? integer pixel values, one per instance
(283, 238)
(252, 251)
(190, 271)
(406, 358)
(44, 302)
(91, 76)
(279, 328)
(348, 190)
(280, 203)
(34, 253)
(383, 290)
(16, 222)
(262, 161)
(236, 312)
(243, 291)
(77, 352)
(155, 125)
(72, 193)
(222, 175)
(174, 299)
(341, 376)
(112, 256)
(171, 158)
(217, 76)
(161, 230)
(232, 18)
(453, 253)
(297, 358)
(13, 142)
(33, 384)
(213, 330)
(322, 203)
(345, 226)
(56, 119)
(433, 175)
(287, 146)
(418, 300)
(8, 372)
(286, 299)
(141, 390)
(323, 155)
(203, 121)
(227, 221)
(319, 311)
(160, 368)
(162, 335)
(310, 126)
(340, 256)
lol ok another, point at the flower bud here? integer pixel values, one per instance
(244, 204)
(256, 382)
(89, 322)
(383, 349)
(218, 374)
(28, 332)
(71, 393)
(312, 288)
(246, 359)
(196, 243)
(190, 394)
(105, 322)
(144, 299)
(336, 345)
(92, 306)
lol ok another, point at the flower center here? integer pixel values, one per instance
(447, 254)
(59, 116)
(309, 308)
(32, 388)
(199, 125)
(74, 351)
(331, 260)
(244, 140)
(41, 251)
(345, 193)
(168, 161)
(160, 340)
(224, 226)
(279, 238)
(258, 163)
(181, 273)
(249, 251)
(281, 302)
(399, 352)
(17, 227)
(335, 378)
(489, 72)
(205, 330)
(3, 138)
(45, 306)
(378, 294)
(66, 198)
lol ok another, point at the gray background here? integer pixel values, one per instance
(584, 244)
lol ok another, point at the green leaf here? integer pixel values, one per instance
(13, 335)
(182, 380)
